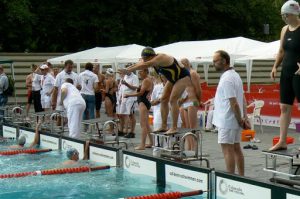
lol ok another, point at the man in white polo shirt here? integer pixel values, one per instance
(89, 83)
(73, 102)
(130, 84)
(230, 114)
(60, 79)
(47, 82)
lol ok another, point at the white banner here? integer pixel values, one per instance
(274, 121)
(28, 134)
(291, 196)
(103, 156)
(9, 132)
(231, 189)
(187, 178)
(139, 165)
(49, 142)
(66, 144)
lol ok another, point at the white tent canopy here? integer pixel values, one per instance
(266, 52)
(202, 51)
(108, 55)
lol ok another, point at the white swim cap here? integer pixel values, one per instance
(290, 7)
(22, 140)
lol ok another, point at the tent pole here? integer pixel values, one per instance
(78, 68)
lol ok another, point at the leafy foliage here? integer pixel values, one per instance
(60, 25)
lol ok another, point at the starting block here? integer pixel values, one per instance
(173, 146)
(291, 155)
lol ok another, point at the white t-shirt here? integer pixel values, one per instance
(230, 85)
(156, 94)
(47, 82)
(73, 96)
(133, 80)
(86, 80)
(36, 82)
(61, 78)
(120, 92)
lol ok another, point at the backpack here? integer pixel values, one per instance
(11, 87)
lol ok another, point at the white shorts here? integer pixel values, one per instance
(229, 136)
(46, 101)
(127, 107)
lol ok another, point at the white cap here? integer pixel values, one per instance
(290, 7)
(110, 71)
(44, 66)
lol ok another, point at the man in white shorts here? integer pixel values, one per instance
(47, 83)
(74, 103)
(130, 84)
(230, 114)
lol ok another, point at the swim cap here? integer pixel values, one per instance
(110, 71)
(290, 7)
(22, 140)
(71, 152)
(148, 51)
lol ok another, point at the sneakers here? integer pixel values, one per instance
(129, 135)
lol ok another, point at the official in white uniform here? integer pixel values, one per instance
(230, 114)
(74, 103)
(60, 79)
(89, 83)
(47, 82)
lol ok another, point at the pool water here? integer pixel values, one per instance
(107, 184)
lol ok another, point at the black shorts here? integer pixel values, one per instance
(289, 89)
(98, 100)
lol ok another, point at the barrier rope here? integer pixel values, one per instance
(170, 195)
(29, 151)
(54, 171)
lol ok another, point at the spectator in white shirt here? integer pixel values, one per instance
(3, 87)
(47, 82)
(89, 82)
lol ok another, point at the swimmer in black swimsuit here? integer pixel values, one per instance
(289, 55)
(178, 79)
(144, 107)
(110, 94)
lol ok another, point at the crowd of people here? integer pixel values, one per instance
(172, 90)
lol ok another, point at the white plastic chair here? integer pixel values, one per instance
(258, 104)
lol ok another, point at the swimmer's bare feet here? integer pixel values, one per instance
(171, 131)
(160, 130)
(139, 148)
(278, 146)
(148, 145)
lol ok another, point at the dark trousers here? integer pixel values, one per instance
(36, 96)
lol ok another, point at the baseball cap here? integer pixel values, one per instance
(290, 7)
(44, 66)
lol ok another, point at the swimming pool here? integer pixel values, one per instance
(111, 183)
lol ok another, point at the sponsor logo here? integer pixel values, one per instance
(103, 155)
(224, 188)
(131, 163)
(183, 176)
(65, 145)
(49, 141)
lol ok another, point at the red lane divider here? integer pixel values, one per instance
(170, 195)
(30, 151)
(54, 171)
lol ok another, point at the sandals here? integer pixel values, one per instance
(253, 147)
